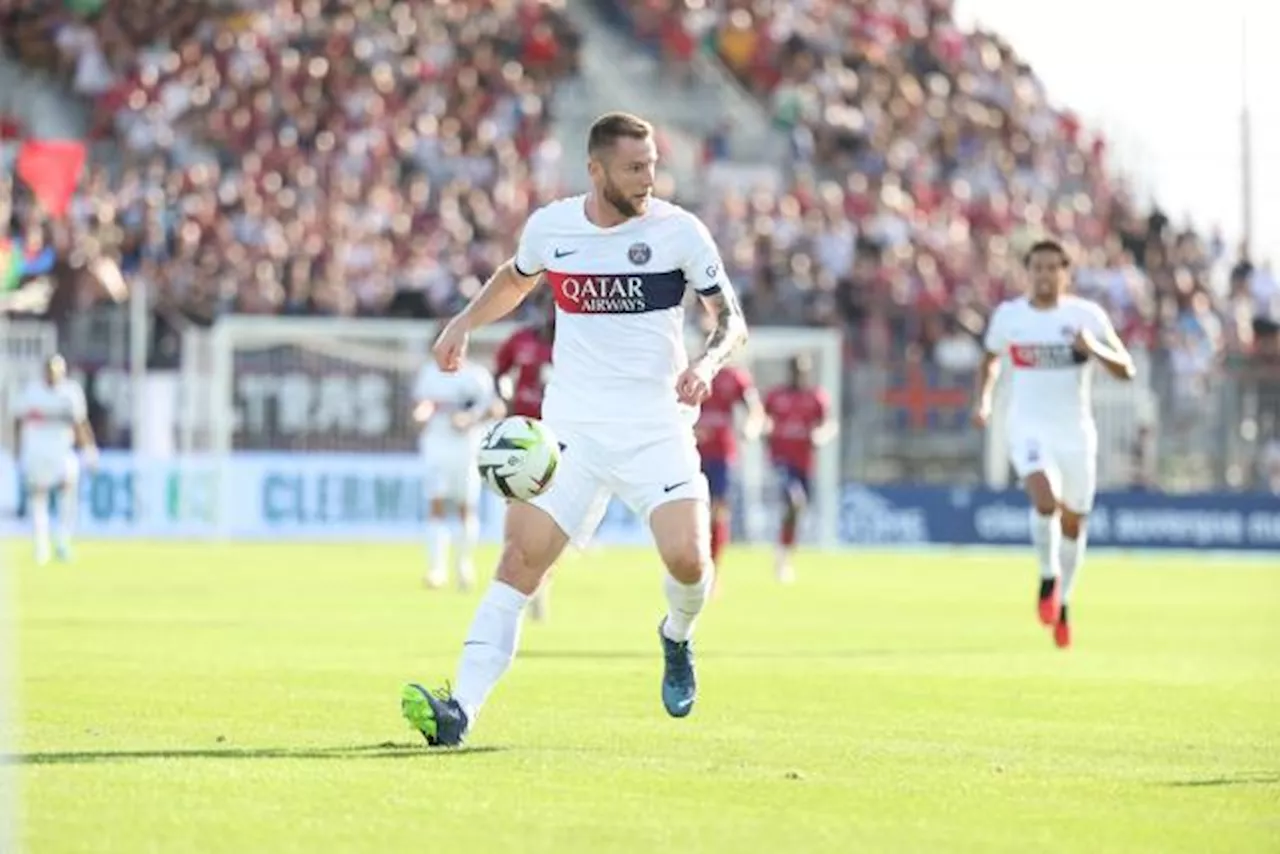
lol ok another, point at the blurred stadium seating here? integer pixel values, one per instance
(371, 157)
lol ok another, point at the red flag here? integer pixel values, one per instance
(51, 168)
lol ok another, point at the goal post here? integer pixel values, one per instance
(344, 386)
(766, 356)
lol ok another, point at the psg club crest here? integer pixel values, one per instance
(639, 254)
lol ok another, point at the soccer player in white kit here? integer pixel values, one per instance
(622, 402)
(453, 410)
(1052, 339)
(52, 422)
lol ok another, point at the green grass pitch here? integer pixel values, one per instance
(199, 698)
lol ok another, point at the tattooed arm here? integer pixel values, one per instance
(704, 269)
(730, 330)
(728, 334)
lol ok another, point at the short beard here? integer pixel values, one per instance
(621, 203)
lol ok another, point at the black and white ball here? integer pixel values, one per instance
(518, 457)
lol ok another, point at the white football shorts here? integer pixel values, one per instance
(645, 471)
(44, 471)
(450, 474)
(1069, 458)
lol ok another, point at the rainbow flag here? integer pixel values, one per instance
(17, 264)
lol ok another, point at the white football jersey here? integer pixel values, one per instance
(49, 415)
(470, 389)
(619, 344)
(1050, 385)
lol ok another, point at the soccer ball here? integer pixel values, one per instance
(518, 457)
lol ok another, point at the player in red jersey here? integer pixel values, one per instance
(527, 355)
(718, 446)
(800, 420)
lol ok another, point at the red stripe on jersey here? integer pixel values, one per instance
(1022, 357)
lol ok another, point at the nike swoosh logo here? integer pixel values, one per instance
(674, 486)
(560, 253)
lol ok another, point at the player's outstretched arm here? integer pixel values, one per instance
(728, 334)
(505, 290)
(86, 442)
(988, 370)
(825, 432)
(757, 420)
(423, 410)
(995, 341)
(730, 329)
(1111, 353)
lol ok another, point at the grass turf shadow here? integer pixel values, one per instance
(1247, 779)
(383, 750)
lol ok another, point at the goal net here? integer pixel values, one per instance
(344, 388)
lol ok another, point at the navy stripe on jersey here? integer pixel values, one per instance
(617, 293)
(516, 267)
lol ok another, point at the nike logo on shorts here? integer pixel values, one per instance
(674, 486)
(561, 253)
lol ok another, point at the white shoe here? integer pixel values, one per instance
(786, 575)
(433, 581)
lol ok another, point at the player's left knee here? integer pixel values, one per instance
(686, 559)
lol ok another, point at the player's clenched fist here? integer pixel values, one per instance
(451, 347)
(694, 385)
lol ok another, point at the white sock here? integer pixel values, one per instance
(437, 548)
(491, 644)
(66, 514)
(39, 502)
(1072, 560)
(468, 534)
(684, 604)
(540, 602)
(1045, 534)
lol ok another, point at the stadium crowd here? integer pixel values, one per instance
(923, 158)
(376, 157)
(338, 157)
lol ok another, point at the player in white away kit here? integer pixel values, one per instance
(52, 422)
(622, 401)
(453, 410)
(1051, 339)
